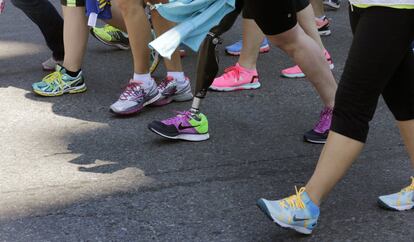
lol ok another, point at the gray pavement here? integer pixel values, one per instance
(70, 171)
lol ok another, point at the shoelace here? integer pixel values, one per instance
(165, 82)
(233, 72)
(52, 77)
(410, 187)
(294, 201)
(131, 89)
(324, 117)
(180, 115)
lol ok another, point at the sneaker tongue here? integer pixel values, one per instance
(60, 69)
(305, 198)
(325, 121)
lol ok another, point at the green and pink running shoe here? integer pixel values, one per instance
(296, 72)
(184, 126)
(236, 78)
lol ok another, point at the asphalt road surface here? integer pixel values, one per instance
(71, 171)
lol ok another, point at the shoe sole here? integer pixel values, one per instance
(186, 137)
(313, 141)
(69, 91)
(324, 32)
(135, 110)
(331, 6)
(296, 75)
(177, 98)
(262, 204)
(120, 46)
(249, 86)
(301, 75)
(262, 50)
(394, 208)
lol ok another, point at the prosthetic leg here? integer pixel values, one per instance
(207, 63)
(192, 125)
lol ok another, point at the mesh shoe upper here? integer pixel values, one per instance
(297, 211)
(235, 76)
(402, 200)
(187, 122)
(324, 123)
(134, 97)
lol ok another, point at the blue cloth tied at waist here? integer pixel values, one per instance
(195, 18)
(97, 9)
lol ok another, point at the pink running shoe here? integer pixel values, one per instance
(296, 72)
(323, 26)
(236, 78)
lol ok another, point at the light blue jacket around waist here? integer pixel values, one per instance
(195, 18)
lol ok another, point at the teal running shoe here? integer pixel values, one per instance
(59, 83)
(400, 201)
(296, 212)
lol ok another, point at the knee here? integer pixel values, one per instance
(352, 113)
(287, 41)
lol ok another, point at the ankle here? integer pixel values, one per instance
(247, 67)
(146, 80)
(178, 75)
(72, 73)
(313, 197)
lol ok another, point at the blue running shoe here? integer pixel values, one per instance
(400, 201)
(296, 212)
(235, 48)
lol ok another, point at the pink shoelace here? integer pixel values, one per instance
(233, 72)
(165, 82)
(131, 90)
(180, 115)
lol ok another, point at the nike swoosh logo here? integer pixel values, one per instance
(299, 219)
(181, 127)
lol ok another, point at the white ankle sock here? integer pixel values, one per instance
(321, 17)
(146, 79)
(179, 76)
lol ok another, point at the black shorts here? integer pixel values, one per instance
(273, 17)
(301, 4)
(73, 3)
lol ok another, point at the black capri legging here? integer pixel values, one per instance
(380, 61)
